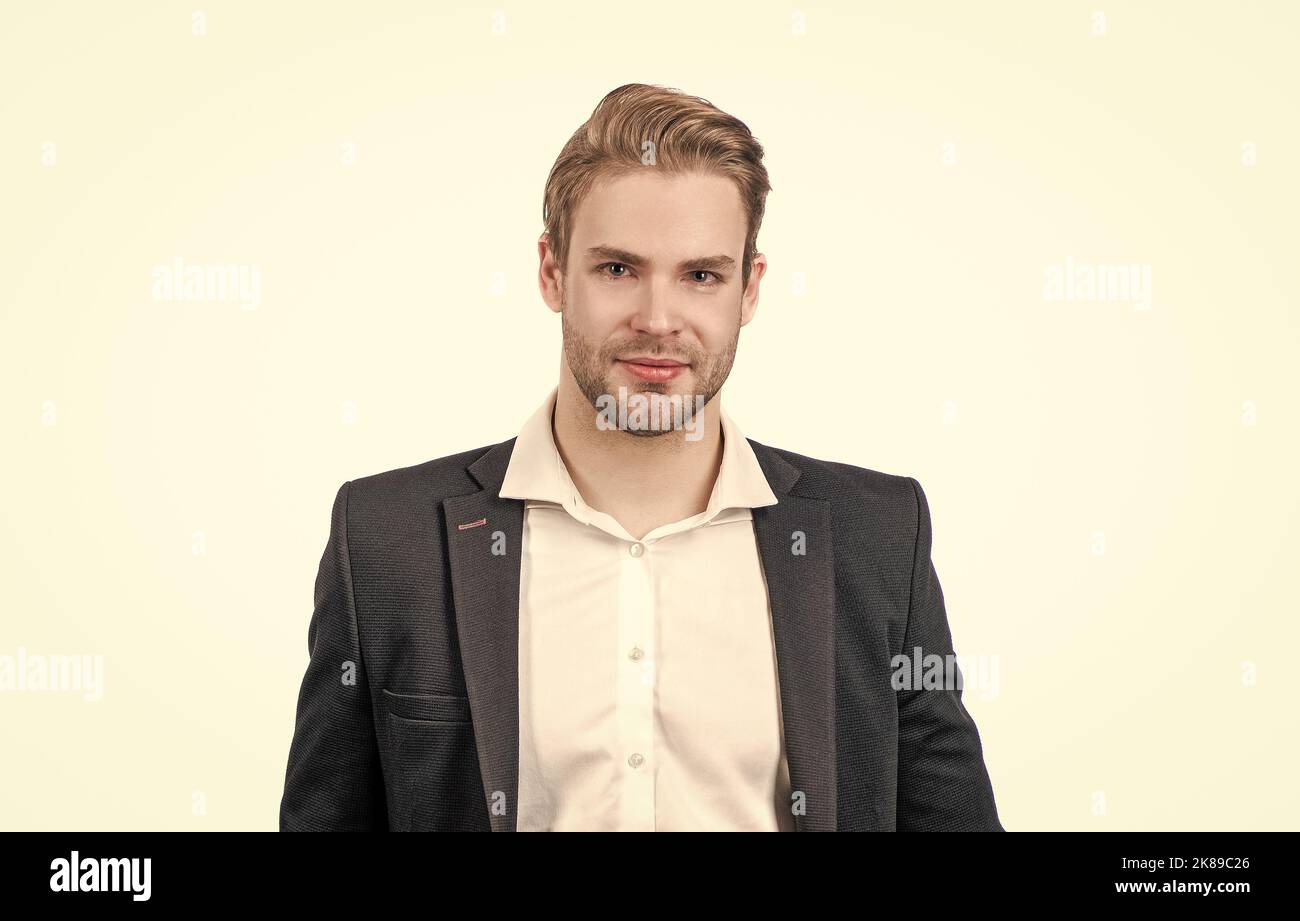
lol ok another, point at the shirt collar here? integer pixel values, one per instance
(537, 472)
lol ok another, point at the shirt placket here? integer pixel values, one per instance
(636, 687)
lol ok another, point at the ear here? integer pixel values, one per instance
(749, 299)
(550, 277)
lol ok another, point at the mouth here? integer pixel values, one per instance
(655, 370)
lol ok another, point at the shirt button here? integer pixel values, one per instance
(636, 549)
(636, 654)
(635, 759)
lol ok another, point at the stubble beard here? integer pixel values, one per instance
(592, 365)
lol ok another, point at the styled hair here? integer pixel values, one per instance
(685, 133)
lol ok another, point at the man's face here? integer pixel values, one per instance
(654, 274)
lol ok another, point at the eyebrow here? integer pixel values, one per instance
(614, 254)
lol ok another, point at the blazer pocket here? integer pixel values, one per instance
(438, 708)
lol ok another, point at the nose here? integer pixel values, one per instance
(658, 310)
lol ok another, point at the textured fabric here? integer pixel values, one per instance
(408, 714)
(647, 668)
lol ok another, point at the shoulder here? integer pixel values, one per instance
(417, 485)
(859, 493)
(828, 479)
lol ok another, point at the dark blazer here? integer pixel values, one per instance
(408, 717)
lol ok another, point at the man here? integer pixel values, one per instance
(631, 617)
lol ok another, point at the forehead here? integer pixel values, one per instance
(653, 213)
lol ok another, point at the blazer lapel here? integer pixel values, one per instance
(484, 534)
(801, 591)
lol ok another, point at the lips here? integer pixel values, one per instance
(655, 370)
(654, 362)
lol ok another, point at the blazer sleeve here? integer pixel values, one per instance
(942, 782)
(334, 781)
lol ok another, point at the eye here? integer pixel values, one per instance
(705, 281)
(614, 265)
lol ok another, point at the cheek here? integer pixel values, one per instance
(597, 311)
(716, 337)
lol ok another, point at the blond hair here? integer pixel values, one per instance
(688, 134)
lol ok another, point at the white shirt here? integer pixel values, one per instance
(648, 695)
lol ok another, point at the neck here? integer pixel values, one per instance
(641, 481)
